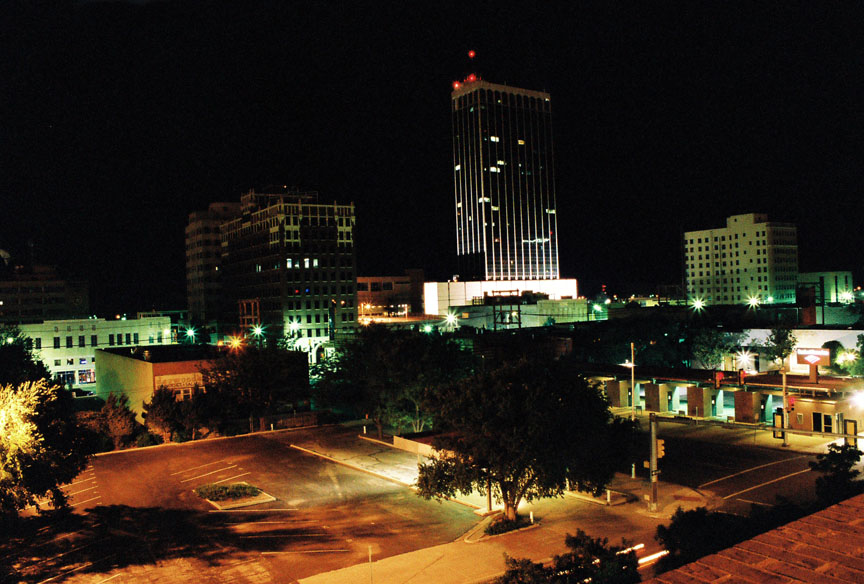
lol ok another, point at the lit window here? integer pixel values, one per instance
(501, 163)
(457, 167)
(494, 169)
(520, 142)
(494, 139)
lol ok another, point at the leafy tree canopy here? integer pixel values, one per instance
(588, 560)
(387, 373)
(710, 345)
(18, 363)
(258, 379)
(41, 445)
(839, 477)
(780, 343)
(527, 428)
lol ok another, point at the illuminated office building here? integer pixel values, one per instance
(506, 225)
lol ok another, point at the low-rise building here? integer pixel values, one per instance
(68, 347)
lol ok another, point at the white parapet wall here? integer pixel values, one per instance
(438, 297)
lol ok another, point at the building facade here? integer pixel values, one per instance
(830, 287)
(68, 347)
(288, 265)
(31, 294)
(203, 254)
(390, 295)
(506, 223)
(751, 260)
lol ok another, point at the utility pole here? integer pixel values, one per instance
(652, 507)
(785, 407)
(632, 382)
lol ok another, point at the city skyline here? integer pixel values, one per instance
(119, 119)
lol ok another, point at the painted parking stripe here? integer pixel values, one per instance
(207, 474)
(82, 491)
(88, 500)
(252, 510)
(79, 482)
(305, 552)
(87, 565)
(107, 579)
(285, 535)
(750, 470)
(766, 483)
(196, 467)
(232, 478)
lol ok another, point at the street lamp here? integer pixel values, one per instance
(258, 332)
(451, 320)
(698, 304)
(753, 302)
(190, 334)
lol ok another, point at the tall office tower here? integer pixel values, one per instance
(748, 261)
(288, 264)
(203, 250)
(506, 226)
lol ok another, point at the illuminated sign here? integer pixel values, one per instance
(814, 356)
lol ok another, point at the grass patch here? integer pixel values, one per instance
(226, 492)
(502, 525)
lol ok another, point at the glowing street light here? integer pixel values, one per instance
(451, 319)
(698, 304)
(294, 326)
(427, 328)
(235, 342)
(744, 358)
(753, 302)
(846, 297)
(190, 334)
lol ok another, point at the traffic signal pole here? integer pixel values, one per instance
(652, 506)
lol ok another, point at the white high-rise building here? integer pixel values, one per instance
(506, 222)
(751, 260)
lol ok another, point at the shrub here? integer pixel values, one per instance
(503, 525)
(224, 492)
(147, 439)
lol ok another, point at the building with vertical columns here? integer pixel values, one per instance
(203, 248)
(288, 261)
(751, 260)
(506, 222)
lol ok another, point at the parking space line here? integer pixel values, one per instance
(88, 500)
(230, 478)
(749, 470)
(82, 491)
(766, 483)
(207, 474)
(107, 579)
(196, 467)
(87, 565)
(755, 502)
(285, 535)
(79, 482)
(304, 552)
(252, 510)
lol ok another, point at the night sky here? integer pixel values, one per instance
(118, 119)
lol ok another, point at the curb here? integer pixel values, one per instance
(207, 440)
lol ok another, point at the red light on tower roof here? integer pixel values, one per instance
(471, 78)
(456, 85)
(471, 54)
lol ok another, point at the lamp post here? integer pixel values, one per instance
(632, 382)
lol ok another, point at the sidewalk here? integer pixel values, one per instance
(461, 562)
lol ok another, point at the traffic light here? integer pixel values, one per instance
(661, 448)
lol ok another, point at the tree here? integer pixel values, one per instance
(588, 560)
(118, 419)
(41, 445)
(258, 379)
(527, 429)
(162, 413)
(697, 533)
(386, 375)
(711, 345)
(838, 480)
(780, 344)
(18, 363)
